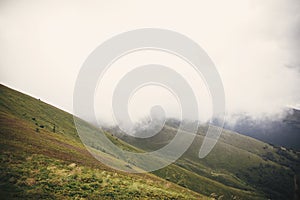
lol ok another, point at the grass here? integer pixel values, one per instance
(238, 166)
(45, 164)
(39, 147)
(37, 176)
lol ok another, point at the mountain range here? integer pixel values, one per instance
(280, 131)
(42, 157)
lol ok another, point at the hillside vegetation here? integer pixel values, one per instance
(42, 157)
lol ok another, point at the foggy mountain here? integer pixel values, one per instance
(281, 132)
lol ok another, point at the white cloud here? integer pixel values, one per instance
(44, 43)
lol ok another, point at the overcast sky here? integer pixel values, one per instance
(254, 44)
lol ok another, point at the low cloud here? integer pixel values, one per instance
(254, 44)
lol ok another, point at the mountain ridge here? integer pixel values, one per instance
(239, 167)
(38, 162)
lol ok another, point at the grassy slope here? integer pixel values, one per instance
(36, 162)
(238, 166)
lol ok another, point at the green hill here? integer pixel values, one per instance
(42, 157)
(238, 166)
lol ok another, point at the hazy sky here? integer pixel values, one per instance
(254, 44)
